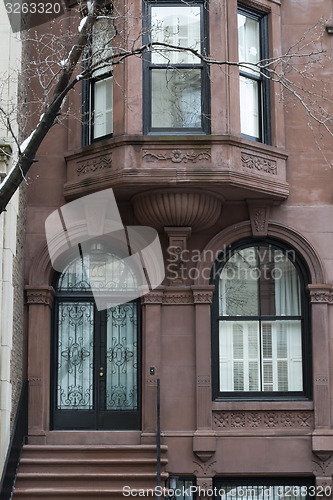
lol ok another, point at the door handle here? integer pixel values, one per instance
(101, 371)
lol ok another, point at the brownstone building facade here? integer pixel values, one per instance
(239, 332)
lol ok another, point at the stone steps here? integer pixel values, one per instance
(78, 471)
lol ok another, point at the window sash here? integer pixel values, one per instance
(102, 109)
(156, 116)
(254, 87)
(260, 356)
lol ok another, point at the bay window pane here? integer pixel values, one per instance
(249, 106)
(248, 42)
(178, 26)
(103, 113)
(102, 38)
(176, 98)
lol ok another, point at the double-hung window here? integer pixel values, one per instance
(175, 80)
(98, 91)
(260, 324)
(254, 85)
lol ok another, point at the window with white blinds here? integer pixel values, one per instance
(258, 322)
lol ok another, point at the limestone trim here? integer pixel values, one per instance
(40, 295)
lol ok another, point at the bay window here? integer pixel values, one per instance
(254, 86)
(175, 80)
(260, 340)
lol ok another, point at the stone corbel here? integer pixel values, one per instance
(259, 211)
(323, 470)
(204, 445)
(322, 445)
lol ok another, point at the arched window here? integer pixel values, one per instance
(260, 323)
(96, 353)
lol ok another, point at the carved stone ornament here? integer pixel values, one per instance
(321, 294)
(40, 295)
(169, 297)
(323, 466)
(177, 156)
(94, 164)
(259, 216)
(202, 297)
(204, 469)
(250, 420)
(258, 163)
(193, 208)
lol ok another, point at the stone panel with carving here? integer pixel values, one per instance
(250, 420)
(94, 164)
(258, 163)
(177, 155)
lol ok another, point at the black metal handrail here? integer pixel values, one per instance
(19, 433)
(158, 437)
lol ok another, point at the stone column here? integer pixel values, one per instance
(151, 332)
(204, 440)
(40, 300)
(322, 438)
(319, 298)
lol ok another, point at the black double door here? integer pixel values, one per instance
(96, 383)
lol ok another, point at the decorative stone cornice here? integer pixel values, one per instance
(179, 296)
(154, 297)
(321, 294)
(40, 295)
(202, 294)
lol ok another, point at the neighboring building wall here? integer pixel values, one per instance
(11, 247)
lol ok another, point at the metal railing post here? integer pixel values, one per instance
(158, 439)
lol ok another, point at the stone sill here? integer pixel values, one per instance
(261, 405)
(174, 140)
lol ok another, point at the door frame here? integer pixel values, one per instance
(97, 418)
